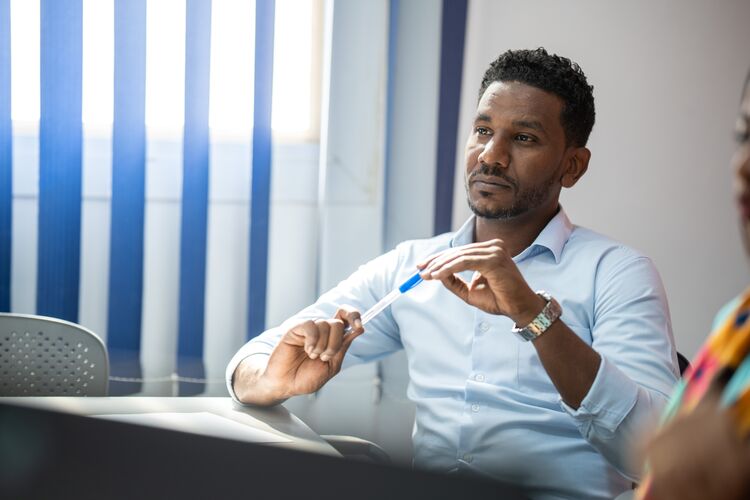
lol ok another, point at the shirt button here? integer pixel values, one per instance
(479, 377)
(467, 458)
(475, 408)
(483, 326)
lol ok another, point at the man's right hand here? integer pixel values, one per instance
(307, 356)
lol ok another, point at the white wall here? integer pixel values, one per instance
(667, 76)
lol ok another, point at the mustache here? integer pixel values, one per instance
(490, 171)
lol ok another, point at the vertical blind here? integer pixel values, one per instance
(60, 163)
(6, 158)
(142, 186)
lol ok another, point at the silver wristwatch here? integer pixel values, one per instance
(552, 310)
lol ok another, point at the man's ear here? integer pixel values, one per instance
(576, 165)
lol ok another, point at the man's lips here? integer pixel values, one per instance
(490, 182)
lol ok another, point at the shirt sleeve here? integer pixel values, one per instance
(361, 291)
(633, 335)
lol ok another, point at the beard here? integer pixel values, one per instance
(525, 198)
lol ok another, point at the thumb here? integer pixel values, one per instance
(349, 338)
(458, 286)
(338, 358)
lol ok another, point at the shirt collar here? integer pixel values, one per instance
(465, 234)
(553, 237)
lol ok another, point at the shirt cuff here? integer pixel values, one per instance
(248, 350)
(609, 400)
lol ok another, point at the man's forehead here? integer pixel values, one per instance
(519, 101)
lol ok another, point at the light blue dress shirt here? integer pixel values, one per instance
(484, 403)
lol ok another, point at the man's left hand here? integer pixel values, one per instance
(497, 286)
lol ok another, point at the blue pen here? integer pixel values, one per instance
(407, 285)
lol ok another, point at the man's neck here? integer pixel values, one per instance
(517, 233)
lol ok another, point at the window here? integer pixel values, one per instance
(297, 61)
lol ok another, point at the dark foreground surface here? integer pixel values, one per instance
(45, 454)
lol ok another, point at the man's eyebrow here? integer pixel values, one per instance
(532, 124)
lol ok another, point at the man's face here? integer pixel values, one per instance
(514, 155)
(741, 167)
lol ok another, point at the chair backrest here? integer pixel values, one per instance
(42, 356)
(682, 362)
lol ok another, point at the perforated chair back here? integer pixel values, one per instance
(42, 356)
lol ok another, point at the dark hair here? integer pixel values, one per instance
(554, 74)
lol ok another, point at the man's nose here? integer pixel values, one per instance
(495, 152)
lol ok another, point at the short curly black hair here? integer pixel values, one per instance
(555, 74)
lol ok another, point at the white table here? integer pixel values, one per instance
(280, 427)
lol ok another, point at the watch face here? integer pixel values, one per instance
(544, 319)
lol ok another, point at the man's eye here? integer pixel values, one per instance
(482, 130)
(524, 138)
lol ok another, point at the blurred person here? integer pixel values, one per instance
(702, 451)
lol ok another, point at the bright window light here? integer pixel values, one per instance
(98, 64)
(165, 67)
(232, 67)
(294, 46)
(296, 54)
(24, 72)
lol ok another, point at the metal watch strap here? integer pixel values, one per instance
(551, 312)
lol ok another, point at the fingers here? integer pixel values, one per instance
(476, 259)
(321, 344)
(326, 338)
(497, 243)
(351, 318)
(422, 265)
(303, 334)
(330, 339)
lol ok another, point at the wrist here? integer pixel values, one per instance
(528, 309)
(542, 321)
(272, 393)
(252, 386)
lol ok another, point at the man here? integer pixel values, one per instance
(552, 412)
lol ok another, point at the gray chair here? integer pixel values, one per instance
(42, 356)
(682, 362)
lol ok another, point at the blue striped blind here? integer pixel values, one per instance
(451, 71)
(60, 136)
(6, 157)
(128, 195)
(260, 191)
(194, 195)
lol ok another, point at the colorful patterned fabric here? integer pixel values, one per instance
(723, 361)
